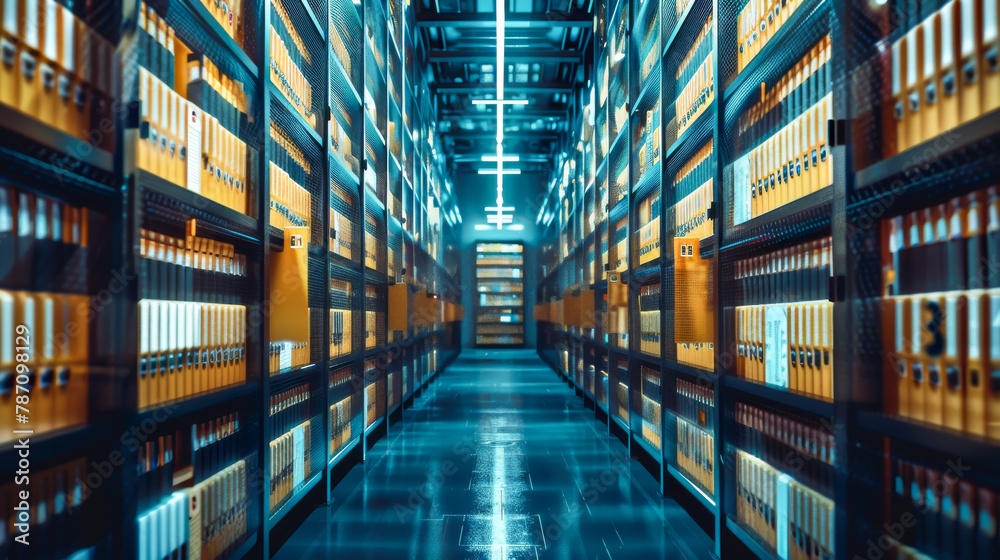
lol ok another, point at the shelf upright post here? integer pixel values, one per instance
(264, 292)
(324, 370)
(721, 352)
(845, 391)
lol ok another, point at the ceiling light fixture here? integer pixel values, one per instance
(500, 101)
(501, 158)
(499, 172)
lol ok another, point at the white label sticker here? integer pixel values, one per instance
(781, 515)
(776, 341)
(897, 71)
(50, 50)
(193, 148)
(948, 35)
(994, 325)
(30, 32)
(968, 27)
(930, 49)
(951, 327)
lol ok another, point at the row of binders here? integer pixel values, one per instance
(697, 83)
(182, 144)
(764, 429)
(287, 58)
(649, 142)
(214, 444)
(290, 462)
(342, 216)
(787, 345)
(945, 72)
(650, 390)
(696, 403)
(341, 417)
(340, 317)
(790, 157)
(619, 243)
(696, 454)
(43, 239)
(55, 344)
(798, 273)
(952, 246)
(946, 516)
(174, 268)
(56, 498)
(649, 212)
(206, 521)
(791, 518)
(649, 319)
(945, 350)
(56, 69)
(757, 22)
(693, 184)
(188, 348)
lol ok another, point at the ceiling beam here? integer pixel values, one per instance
(512, 55)
(527, 114)
(484, 88)
(513, 135)
(488, 20)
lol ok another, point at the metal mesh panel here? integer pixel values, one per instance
(375, 231)
(341, 412)
(647, 51)
(618, 86)
(297, 38)
(646, 406)
(294, 404)
(375, 308)
(688, 75)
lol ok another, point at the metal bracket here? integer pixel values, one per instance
(836, 288)
(836, 132)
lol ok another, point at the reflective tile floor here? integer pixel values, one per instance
(498, 460)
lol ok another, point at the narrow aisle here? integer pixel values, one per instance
(498, 460)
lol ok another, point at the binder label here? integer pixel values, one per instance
(776, 342)
(193, 148)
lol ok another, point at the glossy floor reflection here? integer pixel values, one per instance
(499, 460)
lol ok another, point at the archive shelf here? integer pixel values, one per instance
(130, 203)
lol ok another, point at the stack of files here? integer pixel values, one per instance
(193, 269)
(229, 15)
(649, 229)
(164, 529)
(289, 452)
(340, 424)
(290, 201)
(620, 241)
(342, 211)
(172, 129)
(340, 318)
(789, 156)
(48, 334)
(371, 317)
(944, 73)
(650, 405)
(790, 518)
(56, 69)
(787, 345)
(216, 93)
(622, 410)
(340, 140)
(694, 78)
(952, 517)
(288, 57)
(800, 272)
(767, 433)
(649, 149)
(757, 22)
(695, 195)
(941, 329)
(696, 403)
(43, 242)
(339, 48)
(214, 445)
(649, 319)
(55, 498)
(217, 516)
(696, 454)
(187, 348)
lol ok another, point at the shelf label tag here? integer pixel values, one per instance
(193, 148)
(776, 342)
(781, 517)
